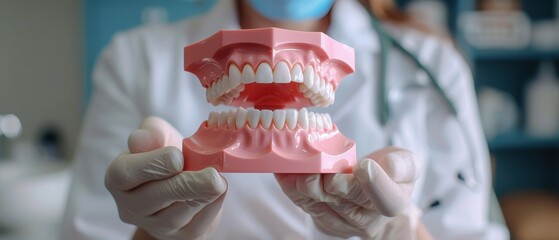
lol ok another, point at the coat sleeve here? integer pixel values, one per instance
(457, 187)
(113, 113)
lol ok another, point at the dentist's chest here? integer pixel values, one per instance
(360, 99)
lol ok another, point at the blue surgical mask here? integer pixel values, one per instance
(292, 10)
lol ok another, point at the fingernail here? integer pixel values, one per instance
(140, 135)
(365, 164)
(178, 163)
(139, 141)
(219, 183)
(399, 166)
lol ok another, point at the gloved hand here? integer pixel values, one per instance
(373, 202)
(152, 192)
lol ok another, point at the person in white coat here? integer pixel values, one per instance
(138, 190)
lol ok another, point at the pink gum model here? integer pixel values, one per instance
(275, 73)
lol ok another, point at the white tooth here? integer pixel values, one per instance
(234, 76)
(241, 117)
(319, 121)
(224, 100)
(281, 73)
(208, 94)
(211, 90)
(223, 85)
(327, 121)
(235, 94)
(240, 88)
(316, 102)
(329, 90)
(222, 120)
(320, 90)
(297, 74)
(303, 119)
(216, 90)
(214, 93)
(308, 77)
(315, 97)
(253, 116)
(227, 100)
(312, 121)
(316, 83)
(266, 116)
(323, 90)
(248, 74)
(291, 118)
(308, 94)
(226, 82)
(231, 119)
(212, 119)
(279, 118)
(303, 88)
(326, 102)
(264, 74)
(322, 84)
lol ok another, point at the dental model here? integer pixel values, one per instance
(270, 75)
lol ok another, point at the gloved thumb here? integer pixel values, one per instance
(202, 186)
(154, 133)
(389, 197)
(131, 170)
(401, 165)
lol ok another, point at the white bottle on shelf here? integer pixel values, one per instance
(542, 103)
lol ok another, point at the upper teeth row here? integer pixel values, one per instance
(224, 90)
(288, 118)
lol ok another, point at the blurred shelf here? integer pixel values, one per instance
(530, 53)
(517, 140)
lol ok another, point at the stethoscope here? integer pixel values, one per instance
(386, 43)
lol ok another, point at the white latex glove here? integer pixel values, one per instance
(373, 202)
(153, 193)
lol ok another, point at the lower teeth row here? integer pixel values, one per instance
(283, 118)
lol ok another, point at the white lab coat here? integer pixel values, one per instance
(141, 74)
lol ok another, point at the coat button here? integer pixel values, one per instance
(460, 177)
(435, 204)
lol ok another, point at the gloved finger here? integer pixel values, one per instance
(328, 221)
(307, 185)
(311, 185)
(130, 170)
(389, 197)
(196, 228)
(354, 205)
(288, 184)
(368, 221)
(175, 217)
(347, 188)
(401, 165)
(350, 211)
(306, 191)
(154, 133)
(198, 187)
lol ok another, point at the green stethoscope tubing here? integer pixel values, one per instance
(387, 42)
